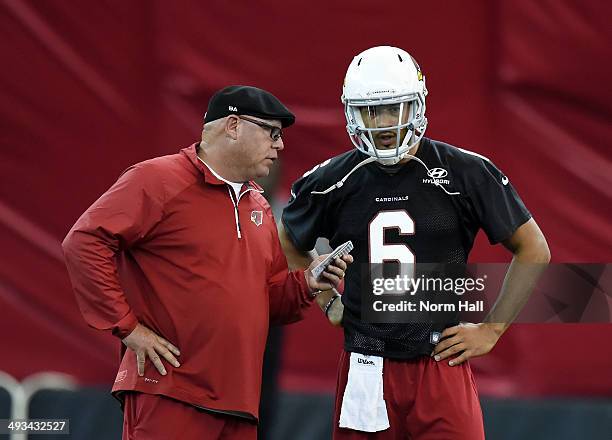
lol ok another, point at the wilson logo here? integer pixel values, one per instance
(364, 361)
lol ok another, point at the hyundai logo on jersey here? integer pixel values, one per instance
(437, 173)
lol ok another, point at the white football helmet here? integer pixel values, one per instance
(384, 103)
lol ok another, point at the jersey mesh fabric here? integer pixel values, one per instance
(444, 226)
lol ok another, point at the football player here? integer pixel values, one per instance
(399, 196)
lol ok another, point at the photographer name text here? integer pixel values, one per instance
(428, 306)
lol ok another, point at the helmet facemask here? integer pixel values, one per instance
(386, 130)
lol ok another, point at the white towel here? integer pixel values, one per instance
(363, 406)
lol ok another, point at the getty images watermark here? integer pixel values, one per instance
(442, 293)
(434, 295)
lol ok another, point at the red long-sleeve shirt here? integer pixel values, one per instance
(170, 246)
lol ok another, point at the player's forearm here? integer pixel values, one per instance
(323, 298)
(296, 259)
(526, 268)
(334, 311)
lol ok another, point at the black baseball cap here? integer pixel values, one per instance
(247, 100)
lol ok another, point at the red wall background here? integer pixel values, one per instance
(88, 88)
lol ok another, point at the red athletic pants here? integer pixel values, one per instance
(426, 400)
(151, 417)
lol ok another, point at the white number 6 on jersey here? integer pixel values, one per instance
(381, 252)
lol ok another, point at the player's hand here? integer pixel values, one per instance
(468, 340)
(332, 275)
(146, 343)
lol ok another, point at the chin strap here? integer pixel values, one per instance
(374, 159)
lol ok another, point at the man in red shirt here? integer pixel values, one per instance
(183, 252)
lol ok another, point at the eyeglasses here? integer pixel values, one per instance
(275, 132)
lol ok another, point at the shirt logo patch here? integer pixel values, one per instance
(505, 180)
(121, 375)
(437, 175)
(257, 217)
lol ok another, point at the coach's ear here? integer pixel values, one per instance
(231, 127)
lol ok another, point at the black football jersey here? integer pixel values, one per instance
(398, 213)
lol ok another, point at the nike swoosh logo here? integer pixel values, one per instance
(505, 180)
